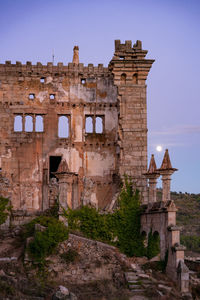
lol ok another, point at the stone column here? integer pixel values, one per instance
(152, 175)
(166, 171)
(65, 187)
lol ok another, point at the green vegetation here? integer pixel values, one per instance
(45, 242)
(192, 242)
(4, 209)
(6, 289)
(121, 228)
(153, 247)
(70, 256)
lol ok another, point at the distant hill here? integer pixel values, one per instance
(188, 216)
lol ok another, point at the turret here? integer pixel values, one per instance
(166, 171)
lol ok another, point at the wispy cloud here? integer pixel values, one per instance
(177, 130)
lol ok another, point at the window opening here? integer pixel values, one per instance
(54, 162)
(123, 78)
(52, 96)
(39, 125)
(28, 124)
(63, 127)
(88, 125)
(42, 80)
(135, 79)
(31, 96)
(99, 125)
(18, 123)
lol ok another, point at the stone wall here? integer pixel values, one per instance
(33, 95)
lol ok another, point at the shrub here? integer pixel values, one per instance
(153, 247)
(45, 242)
(122, 228)
(70, 256)
(4, 208)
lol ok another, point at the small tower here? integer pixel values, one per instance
(130, 69)
(166, 171)
(152, 175)
(76, 55)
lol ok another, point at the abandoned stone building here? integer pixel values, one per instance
(92, 118)
(73, 131)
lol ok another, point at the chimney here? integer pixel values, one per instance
(76, 55)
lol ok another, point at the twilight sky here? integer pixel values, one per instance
(170, 31)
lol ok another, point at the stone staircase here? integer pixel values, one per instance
(141, 284)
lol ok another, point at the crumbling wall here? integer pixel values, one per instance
(114, 96)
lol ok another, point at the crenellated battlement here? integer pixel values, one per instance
(129, 51)
(39, 69)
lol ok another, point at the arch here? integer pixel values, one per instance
(145, 238)
(99, 125)
(88, 125)
(123, 78)
(39, 126)
(153, 248)
(28, 123)
(135, 78)
(63, 127)
(18, 124)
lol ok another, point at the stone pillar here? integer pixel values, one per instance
(166, 185)
(65, 183)
(166, 171)
(152, 176)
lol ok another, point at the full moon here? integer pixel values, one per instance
(159, 148)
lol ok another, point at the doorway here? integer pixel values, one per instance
(54, 162)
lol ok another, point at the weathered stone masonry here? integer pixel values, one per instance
(85, 127)
(38, 97)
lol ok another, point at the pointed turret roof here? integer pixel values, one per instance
(152, 165)
(166, 163)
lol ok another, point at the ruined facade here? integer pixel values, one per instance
(71, 132)
(92, 119)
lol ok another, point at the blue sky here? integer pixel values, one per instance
(32, 30)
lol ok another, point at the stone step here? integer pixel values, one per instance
(131, 277)
(138, 291)
(132, 281)
(135, 286)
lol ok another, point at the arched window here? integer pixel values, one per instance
(123, 78)
(18, 123)
(63, 127)
(88, 125)
(99, 125)
(39, 126)
(29, 123)
(135, 78)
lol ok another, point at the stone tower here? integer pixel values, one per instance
(130, 69)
